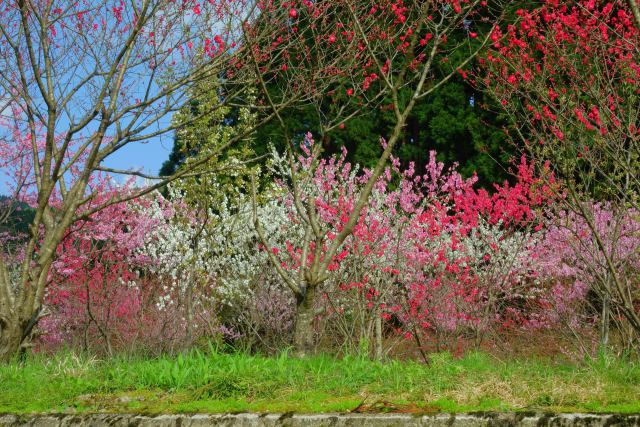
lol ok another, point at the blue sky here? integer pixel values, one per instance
(147, 157)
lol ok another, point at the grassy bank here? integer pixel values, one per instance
(216, 382)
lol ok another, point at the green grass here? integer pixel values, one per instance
(219, 382)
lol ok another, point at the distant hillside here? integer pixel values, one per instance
(19, 218)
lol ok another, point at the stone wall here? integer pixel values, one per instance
(320, 420)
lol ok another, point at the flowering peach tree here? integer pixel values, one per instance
(568, 74)
(395, 45)
(428, 250)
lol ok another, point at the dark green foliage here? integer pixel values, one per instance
(447, 122)
(176, 158)
(458, 131)
(19, 218)
(456, 120)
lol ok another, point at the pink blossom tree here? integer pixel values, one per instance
(395, 45)
(428, 250)
(575, 268)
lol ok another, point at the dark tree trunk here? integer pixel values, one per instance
(304, 334)
(10, 339)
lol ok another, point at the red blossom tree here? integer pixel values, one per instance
(568, 74)
(93, 281)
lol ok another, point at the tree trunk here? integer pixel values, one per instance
(187, 303)
(606, 316)
(189, 314)
(10, 339)
(304, 334)
(14, 332)
(378, 337)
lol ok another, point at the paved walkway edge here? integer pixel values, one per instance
(320, 420)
